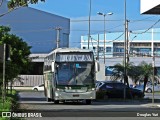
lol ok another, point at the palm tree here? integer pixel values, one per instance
(134, 73)
(146, 72)
(143, 71)
(118, 72)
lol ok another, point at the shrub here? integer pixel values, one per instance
(10, 103)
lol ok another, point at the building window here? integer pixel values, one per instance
(101, 49)
(108, 49)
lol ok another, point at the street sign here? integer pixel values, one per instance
(1, 52)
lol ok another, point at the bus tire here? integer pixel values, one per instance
(56, 101)
(49, 99)
(88, 102)
(45, 92)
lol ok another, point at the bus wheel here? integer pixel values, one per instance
(88, 102)
(56, 101)
(49, 99)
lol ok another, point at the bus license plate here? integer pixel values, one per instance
(76, 95)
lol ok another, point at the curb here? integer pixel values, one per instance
(128, 100)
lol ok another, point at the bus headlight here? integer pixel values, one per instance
(92, 89)
(56, 94)
(60, 90)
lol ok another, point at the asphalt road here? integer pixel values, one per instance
(34, 102)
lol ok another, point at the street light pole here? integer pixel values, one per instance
(98, 48)
(89, 25)
(104, 49)
(153, 65)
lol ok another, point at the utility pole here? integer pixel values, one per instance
(127, 42)
(126, 49)
(4, 67)
(58, 36)
(153, 65)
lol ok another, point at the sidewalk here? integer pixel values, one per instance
(154, 105)
(22, 88)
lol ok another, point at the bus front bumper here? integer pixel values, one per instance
(74, 96)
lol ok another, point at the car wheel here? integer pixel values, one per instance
(106, 97)
(56, 101)
(149, 90)
(136, 97)
(35, 89)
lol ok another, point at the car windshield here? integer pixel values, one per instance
(75, 73)
(41, 85)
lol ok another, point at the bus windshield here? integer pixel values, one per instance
(74, 73)
(74, 57)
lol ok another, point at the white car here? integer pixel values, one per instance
(38, 88)
(139, 87)
(149, 88)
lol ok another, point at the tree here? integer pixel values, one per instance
(118, 72)
(146, 73)
(19, 52)
(15, 4)
(134, 73)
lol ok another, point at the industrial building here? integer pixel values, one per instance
(141, 47)
(37, 28)
(139, 43)
(41, 30)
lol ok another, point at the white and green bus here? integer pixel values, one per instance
(69, 74)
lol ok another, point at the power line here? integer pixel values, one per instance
(145, 19)
(147, 29)
(50, 29)
(80, 20)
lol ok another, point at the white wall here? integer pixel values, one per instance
(100, 76)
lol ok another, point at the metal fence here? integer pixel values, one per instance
(28, 80)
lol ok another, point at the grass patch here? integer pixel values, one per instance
(10, 104)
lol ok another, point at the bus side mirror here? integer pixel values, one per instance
(52, 67)
(97, 67)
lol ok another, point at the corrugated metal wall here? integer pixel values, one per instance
(28, 80)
